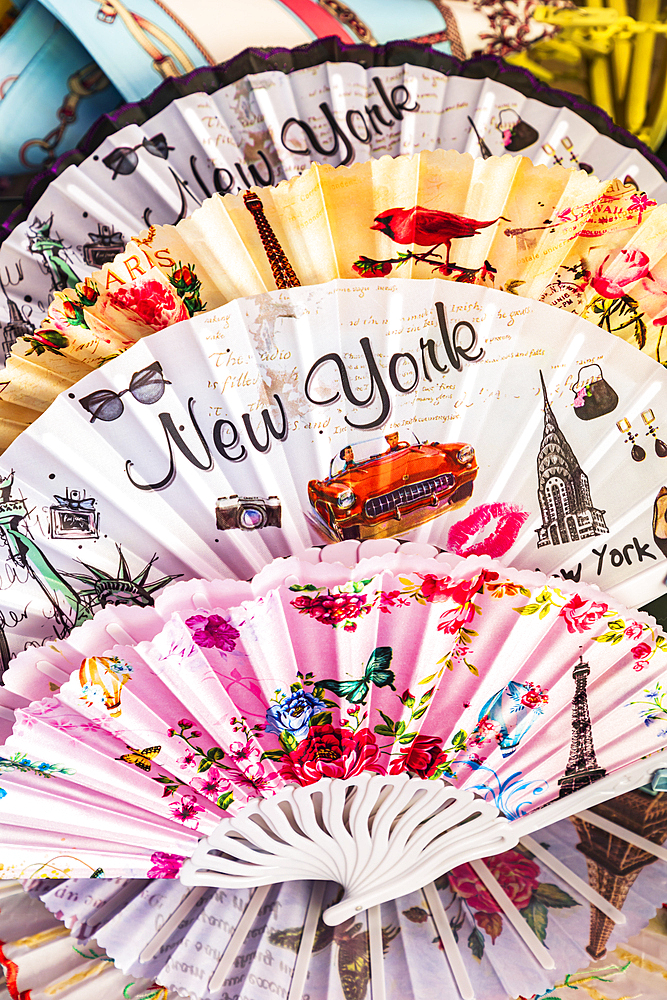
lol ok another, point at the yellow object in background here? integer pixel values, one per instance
(619, 47)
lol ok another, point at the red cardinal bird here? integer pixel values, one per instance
(427, 227)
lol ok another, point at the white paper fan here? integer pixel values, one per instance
(248, 132)
(214, 446)
(593, 248)
(40, 958)
(205, 942)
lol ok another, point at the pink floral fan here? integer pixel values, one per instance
(371, 726)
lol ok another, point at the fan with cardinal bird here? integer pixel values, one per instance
(590, 247)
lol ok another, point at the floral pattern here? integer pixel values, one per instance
(518, 874)
(582, 615)
(294, 713)
(381, 714)
(21, 762)
(332, 753)
(165, 865)
(213, 632)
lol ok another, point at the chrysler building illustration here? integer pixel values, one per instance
(568, 514)
(582, 765)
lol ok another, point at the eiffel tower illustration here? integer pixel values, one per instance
(582, 766)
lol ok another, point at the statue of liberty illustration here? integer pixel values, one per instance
(51, 249)
(18, 324)
(71, 607)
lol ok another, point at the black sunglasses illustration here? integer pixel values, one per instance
(146, 386)
(125, 159)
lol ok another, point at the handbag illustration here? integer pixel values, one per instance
(593, 396)
(517, 134)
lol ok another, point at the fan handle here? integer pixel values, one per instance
(379, 836)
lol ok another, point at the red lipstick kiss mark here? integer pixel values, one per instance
(509, 518)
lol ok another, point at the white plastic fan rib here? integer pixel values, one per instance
(379, 836)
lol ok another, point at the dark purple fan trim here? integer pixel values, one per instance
(332, 49)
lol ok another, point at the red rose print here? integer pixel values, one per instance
(641, 651)
(633, 630)
(516, 873)
(332, 753)
(368, 268)
(534, 697)
(422, 757)
(333, 609)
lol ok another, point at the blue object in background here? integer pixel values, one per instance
(51, 91)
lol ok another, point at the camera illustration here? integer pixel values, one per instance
(247, 513)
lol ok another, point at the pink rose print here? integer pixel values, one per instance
(333, 609)
(618, 271)
(641, 651)
(633, 630)
(581, 615)
(152, 302)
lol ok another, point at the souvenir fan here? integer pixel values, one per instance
(53, 60)
(376, 776)
(547, 233)
(203, 942)
(41, 960)
(263, 127)
(435, 411)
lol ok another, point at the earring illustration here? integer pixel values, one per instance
(660, 446)
(569, 146)
(637, 452)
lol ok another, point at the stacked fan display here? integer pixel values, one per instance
(265, 126)
(365, 728)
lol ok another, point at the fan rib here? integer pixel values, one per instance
(448, 941)
(627, 835)
(171, 923)
(511, 912)
(576, 883)
(243, 927)
(300, 973)
(376, 953)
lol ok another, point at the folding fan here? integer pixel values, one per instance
(436, 411)
(266, 126)
(204, 942)
(41, 960)
(501, 222)
(236, 722)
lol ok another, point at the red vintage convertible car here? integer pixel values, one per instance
(395, 491)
